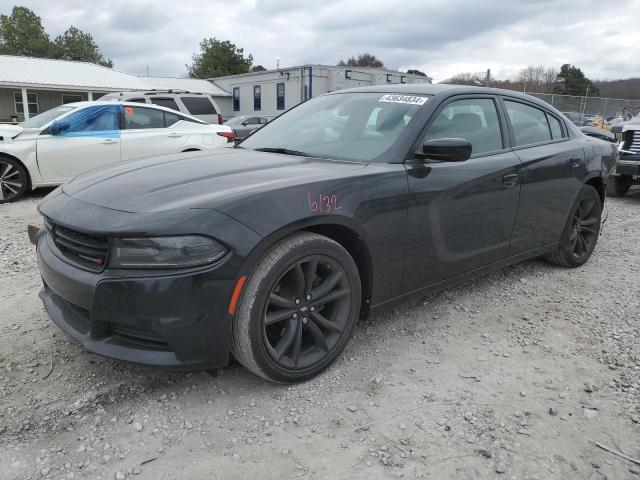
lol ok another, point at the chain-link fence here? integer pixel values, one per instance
(582, 110)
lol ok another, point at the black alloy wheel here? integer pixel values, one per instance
(584, 229)
(13, 180)
(307, 311)
(298, 309)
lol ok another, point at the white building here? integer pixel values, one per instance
(271, 92)
(42, 84)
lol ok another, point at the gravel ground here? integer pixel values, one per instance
(513, 375)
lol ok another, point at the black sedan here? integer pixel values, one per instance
(344, 205)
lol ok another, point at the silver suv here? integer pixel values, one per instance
(199, 105)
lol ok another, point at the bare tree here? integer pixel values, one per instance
(467, 78)
(538, 78)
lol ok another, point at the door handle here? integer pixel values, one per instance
(174, 135)
(575, 161)
(510, 180)
(109, 141)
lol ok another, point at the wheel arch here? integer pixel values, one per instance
(335, 228)
(21, 163)
(191, 150)
(597, 182)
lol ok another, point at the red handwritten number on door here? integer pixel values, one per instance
(323, 203)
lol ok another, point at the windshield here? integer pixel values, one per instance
(235, 121)
(350, 126)
(45, 117)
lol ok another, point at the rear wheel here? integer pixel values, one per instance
(581, 231)
(298, 309)
(618, 185)
(13, 180)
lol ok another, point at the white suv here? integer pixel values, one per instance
(199, 105)
(59, 144)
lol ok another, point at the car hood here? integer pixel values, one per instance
(198, 179)
(10, 131)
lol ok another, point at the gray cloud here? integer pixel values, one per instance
(440, 37)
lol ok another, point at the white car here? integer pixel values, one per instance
(59, 144)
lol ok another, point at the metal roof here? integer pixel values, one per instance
(17, 71)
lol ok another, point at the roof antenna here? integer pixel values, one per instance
(147, 70)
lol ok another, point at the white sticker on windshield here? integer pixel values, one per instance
(410, 99)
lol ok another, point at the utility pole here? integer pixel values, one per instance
(487, 79)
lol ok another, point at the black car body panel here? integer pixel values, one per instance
(412, 226)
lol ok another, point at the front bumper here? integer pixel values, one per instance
(173, 320)
(628, 165)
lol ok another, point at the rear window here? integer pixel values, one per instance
(198, 105)
(165, 102)
(529, 123)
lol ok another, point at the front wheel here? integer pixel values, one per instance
(581, 231)
(13, 180)
(298, 309)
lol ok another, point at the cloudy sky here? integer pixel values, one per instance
(440, 37)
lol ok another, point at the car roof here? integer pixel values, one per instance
(132, 104)
(439, 88)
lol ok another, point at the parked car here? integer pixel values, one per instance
(627, 169)
(598, 132)
(55, 146)
(273, 250)
(244, 125)
(199, 105)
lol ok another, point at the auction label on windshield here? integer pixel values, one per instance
(410, 99)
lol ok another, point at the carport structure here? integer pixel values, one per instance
(29, 86)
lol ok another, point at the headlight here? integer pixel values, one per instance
(164, 252)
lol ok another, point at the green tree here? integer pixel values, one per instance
(218, 58)
(413, 71)
(74, 44)
(571, 81)
(258, 68)
(362, 60)
(22, 33)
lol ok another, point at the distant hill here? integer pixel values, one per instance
(628, 88)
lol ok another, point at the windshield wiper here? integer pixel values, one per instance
(284, 151)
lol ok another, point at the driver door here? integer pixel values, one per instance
(90, 138)
(461, 214)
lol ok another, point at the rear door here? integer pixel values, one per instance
(553, 165)
(145, 132)
(461, 214)
(91, 140)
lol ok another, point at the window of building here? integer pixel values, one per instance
(66, 98)
(257, 98)
(389, 78)
(236, 99)
(475, 120)
(198, 105)
(165, 102)
(306, 93)
(347, 74)
(32, 99)
(280, 96)
(403, 79)
(529, 123)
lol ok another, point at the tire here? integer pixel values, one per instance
(618, 186)
(14, 180)
(581, 231)
(282, 330)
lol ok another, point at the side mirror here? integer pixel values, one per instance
(57, 127)
(245, 123)
(446, 149)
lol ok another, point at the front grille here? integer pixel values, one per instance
(138, 337)
(87, 250)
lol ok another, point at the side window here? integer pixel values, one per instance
(165, 102)
(556, 128)
(263, 121)
(529, 123)
(140, 117)
(198, 105)
(474, 119)
(236, 99)
(137, 100)
(170, 119)
(99, 118)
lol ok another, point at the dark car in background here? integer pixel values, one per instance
(342, 206)
(244, 125)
